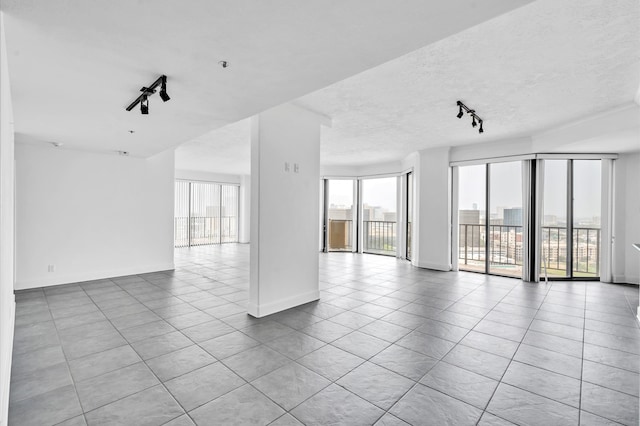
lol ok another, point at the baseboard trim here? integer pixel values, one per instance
(90, 276)
(265, 309)
(6, 358)
(622, 279)
(434, 266)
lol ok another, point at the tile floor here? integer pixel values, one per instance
(388, 344)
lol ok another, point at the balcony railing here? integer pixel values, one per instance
(505, 248)
(379, 237)
(205, 230)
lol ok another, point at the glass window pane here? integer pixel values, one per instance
(505, 226)
(586, 217)
(340, 214)
(554, 220)
(472, 217)
(379, 216)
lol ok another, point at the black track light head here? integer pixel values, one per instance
(473, 123)
(460, 113)
(480, 130)
(475, 119)
(163, 90)
(144, 105)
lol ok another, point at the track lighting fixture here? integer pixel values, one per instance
(475, 120)
(144, 105)
(143, 99)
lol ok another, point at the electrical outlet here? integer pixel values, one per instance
(51, 268)
(286, 167)
(296, 168)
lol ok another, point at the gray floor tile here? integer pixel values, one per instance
(489, 419)
(243, 406)
(295, 345)
(553, 343)
(101, 390)
(179, 362)
(331, 362)
(296, 318)
(336, 406)
(133, 320)
(255, 362)
(390, 420)
(423, 405)
(203, 385)
(426, 344)
(291, 384)
(39, 381)
(612, 357)
(611, 377)
(189, 320)
(443, 330)
(588, 419)
(160, 345)
(524, 408)
(229, 344)
(504, 331)
(48, 408)
(556, 329)
(377, 385)
(326, 331)
(144, 331)
(492, 344)
(477, 361)
(544, 383)
(267, 330)
(208, 330)
(85, 331)
(286, 420)
(36, 359)
(385, 330)
(404, 361)
(183, 420)
(151, 407)
(76, 421)
(462, 384)
(78, 320)
(361, 344)
(92, 345)
(351, 319)
(103, 362)
(549, 360)
(610, 404)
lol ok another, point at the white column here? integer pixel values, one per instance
(285, 169)
(433, 190)
(245, 209)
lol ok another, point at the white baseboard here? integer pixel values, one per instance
(622, 279)
(90, 276)
(5, 373)
(435, 266)
(265, 309)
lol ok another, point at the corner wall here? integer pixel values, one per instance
(7, 256)
(91, 215)
(626, 260)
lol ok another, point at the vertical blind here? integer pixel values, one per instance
(205, 213)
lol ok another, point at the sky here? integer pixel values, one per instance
(506, 187)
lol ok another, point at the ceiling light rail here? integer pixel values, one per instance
(143, 99)
(475, 118)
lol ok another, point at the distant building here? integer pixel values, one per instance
(469, 217)
(513, 217)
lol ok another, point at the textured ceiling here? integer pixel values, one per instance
(76, 64)
(527, 71)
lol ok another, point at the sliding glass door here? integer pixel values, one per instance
(571, 221)
(340, 214)
(205, 213)
(490, 218)
(379, 215)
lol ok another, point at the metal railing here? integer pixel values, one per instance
(505, 248)
(339, 237)
(379, 237)
(205, 230)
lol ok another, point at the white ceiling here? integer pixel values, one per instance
(76, 64)
(527, 71)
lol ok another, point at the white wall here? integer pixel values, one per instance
(284, 209)
(91, 215)
(433, 219)
(626, 259)
(7, 303)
